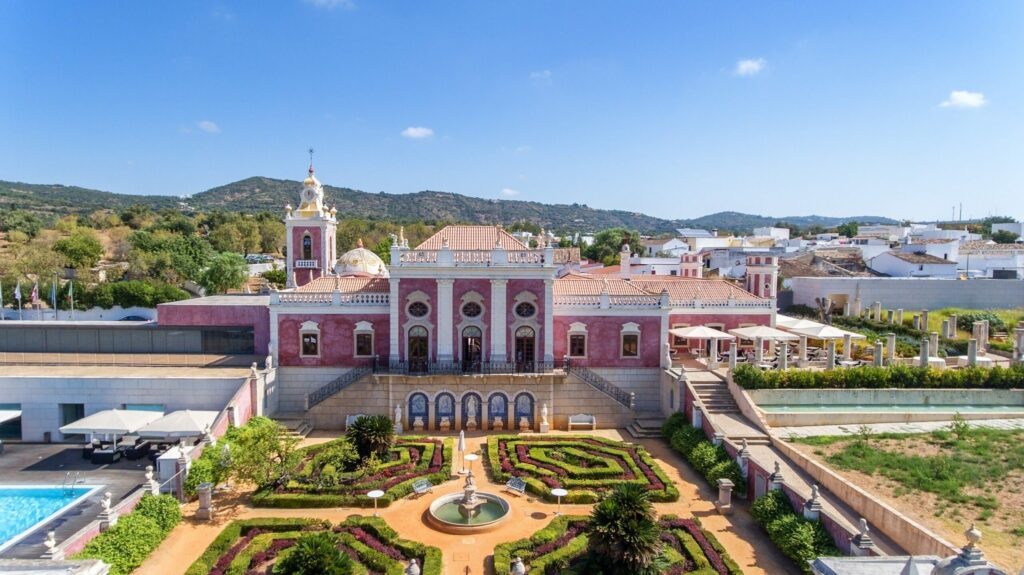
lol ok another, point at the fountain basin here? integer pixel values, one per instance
(444, 514)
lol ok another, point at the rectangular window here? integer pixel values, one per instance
(364, 344)
(630, 345)
(70, 413)
(144, 407)
(310, 345)
(577, 346)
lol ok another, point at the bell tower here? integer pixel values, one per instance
(310, 233)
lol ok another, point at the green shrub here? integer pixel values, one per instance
(125, 545)
(870, 377)
(315, 554)
(770, 507)
(703, 457)
(965, 320)
(163, 509)
(799, 539)
(674, 423)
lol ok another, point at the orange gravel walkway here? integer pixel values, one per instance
(740, 535)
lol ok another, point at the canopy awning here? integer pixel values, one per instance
(762, 332)
(117, 421)
(825, 332)
(699, 332)
(184, 423)
(789, 323)
(9, 414)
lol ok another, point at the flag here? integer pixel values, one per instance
(71, 291)
(35, 293)
(53, 294)
(1, 300)
(17, 292)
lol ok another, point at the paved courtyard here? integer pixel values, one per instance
(33, 464)
(740, 535)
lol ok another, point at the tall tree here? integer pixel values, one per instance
(608, 243)
(226, 271)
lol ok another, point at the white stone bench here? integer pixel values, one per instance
(422, 486)
(582, 420)
(349, 420)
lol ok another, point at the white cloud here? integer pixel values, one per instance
(332, 4)
(750, 67)
(208, 126)
(541, 75)
(417, 132)
(509, 192)
(964, 99)
(524, 149)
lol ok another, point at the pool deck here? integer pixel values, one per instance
(37, 464)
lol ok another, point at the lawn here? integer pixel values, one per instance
(949, 478)
(584, 465)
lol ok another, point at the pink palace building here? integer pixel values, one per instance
(472, 329)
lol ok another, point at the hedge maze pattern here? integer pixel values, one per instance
(585, 466)
(252, 547)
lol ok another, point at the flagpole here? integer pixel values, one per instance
(1, 301)
(53, 297)
(71, 288)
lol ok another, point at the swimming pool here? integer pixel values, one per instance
(25, 508)
(878, 408)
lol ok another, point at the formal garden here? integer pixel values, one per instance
(356, 546)
(587, 467)
(621, 536)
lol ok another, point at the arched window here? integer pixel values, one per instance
(307, 247)
(417, 409)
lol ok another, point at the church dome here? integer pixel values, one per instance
(360, 261)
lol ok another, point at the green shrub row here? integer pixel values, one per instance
(127, 544)
(799, 539)
(237, 529)
(869, 377)
(711, 461)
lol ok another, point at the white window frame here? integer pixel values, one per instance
(363, 328)
(629, 328)
(577, 329)
(309, 328)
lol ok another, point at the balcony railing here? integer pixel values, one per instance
(329, 299)
(414, 367)
(307, 264)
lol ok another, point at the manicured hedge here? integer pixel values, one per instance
(607, 463)
(305, 491)
(369, 541)
(554, 548)
(799, 539)
(870, 377)
(712, 462)
(127, 544)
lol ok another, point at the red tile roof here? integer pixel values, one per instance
(461, 237)
(679, 288)
(348, 284)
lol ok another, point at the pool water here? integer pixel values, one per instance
(24, 508)
(905, 408)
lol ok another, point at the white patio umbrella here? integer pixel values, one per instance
(825, 332)
(762, 332)
(183, 423)
(9, 414)
(111, 421)
(699, 332)
(461, 447)
(789, 323)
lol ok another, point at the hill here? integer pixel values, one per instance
(269, 194)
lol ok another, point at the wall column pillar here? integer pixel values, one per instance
(499, 312)
(549, 321)
(444, 320)
(890, 344)
(395, 309)
(847, 347)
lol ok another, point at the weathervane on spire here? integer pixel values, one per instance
(311, 160)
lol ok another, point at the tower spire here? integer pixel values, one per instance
(311, 170)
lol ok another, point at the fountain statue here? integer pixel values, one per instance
(471, 414)
(470, 504)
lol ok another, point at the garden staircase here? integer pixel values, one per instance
(341, 382)
(595, 380)
(296, 423)
(715, 396)
(646, 425)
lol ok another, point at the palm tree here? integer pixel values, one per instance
(624, 533)
(315, 554)
(372, 434)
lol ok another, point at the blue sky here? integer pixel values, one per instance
(675, 109)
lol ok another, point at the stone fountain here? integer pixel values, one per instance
(472, 511)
